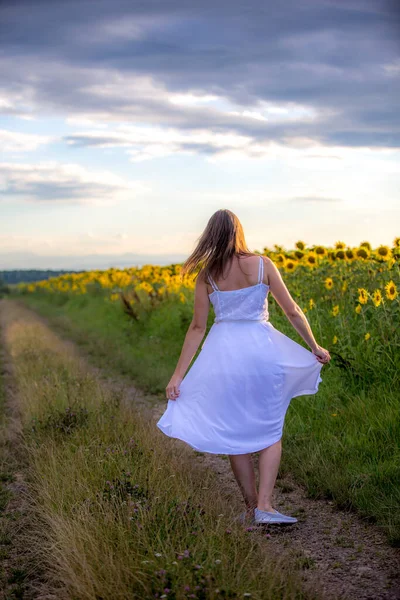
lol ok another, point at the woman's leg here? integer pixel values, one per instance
(243, 470)
(268, 465)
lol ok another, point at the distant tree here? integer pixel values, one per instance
(31, 275)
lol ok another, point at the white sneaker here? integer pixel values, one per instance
(264, 516)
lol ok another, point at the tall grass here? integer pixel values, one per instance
(119, 513)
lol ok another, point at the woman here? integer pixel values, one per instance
(234, 398)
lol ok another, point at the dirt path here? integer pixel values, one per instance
(348, 557)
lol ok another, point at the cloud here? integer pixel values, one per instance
(14, 141)
(65, 183)
(330, 67)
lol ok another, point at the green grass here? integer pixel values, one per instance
(352, 458)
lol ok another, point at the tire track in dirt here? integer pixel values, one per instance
(348, 556)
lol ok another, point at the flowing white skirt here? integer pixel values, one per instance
(234, 398)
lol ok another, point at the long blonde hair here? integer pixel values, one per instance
(222, 238)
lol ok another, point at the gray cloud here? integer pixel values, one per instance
(339, 58)
(52, 182)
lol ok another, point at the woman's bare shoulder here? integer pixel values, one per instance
(247, 257)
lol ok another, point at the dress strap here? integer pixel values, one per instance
(261, 270)
(213, 284)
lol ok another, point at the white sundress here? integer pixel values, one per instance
(234, 398)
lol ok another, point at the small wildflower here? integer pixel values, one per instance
(198, 566)
(311, 304)
(218, 561)
(228, 530)
(335, 310)
(358, 309)
(335, 340)
(186, 553)
(363, 296)
(334, 415)
(367, 336)
(377, 297)
(157, 554)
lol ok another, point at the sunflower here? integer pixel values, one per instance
(396, 242)
(299, 254)
(311, 259)
(362, 252)
(335, 340)
(328, 283)
(350, 255)
(331, 255)
(320, 250)
(335, 310)
(340, 245)
(383, 252)
(391, 290)
(363, 297)
(300, 245)
(341, 254)
(344, 286)
(377, 297)
(290, 265)
(367, 336)
(358, 309)
(366, 245)
(311, 304)
(280, 259)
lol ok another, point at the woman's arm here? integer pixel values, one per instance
(193, 338)
(291, 309)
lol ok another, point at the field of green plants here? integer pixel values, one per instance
(342, 443)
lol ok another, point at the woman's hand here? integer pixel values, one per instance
(322, 355)
(172, 389)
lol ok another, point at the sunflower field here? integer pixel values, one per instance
(351, 295)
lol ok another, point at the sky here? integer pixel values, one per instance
(124, 125)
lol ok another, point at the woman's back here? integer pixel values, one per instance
(245, 303)
(242, 272)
